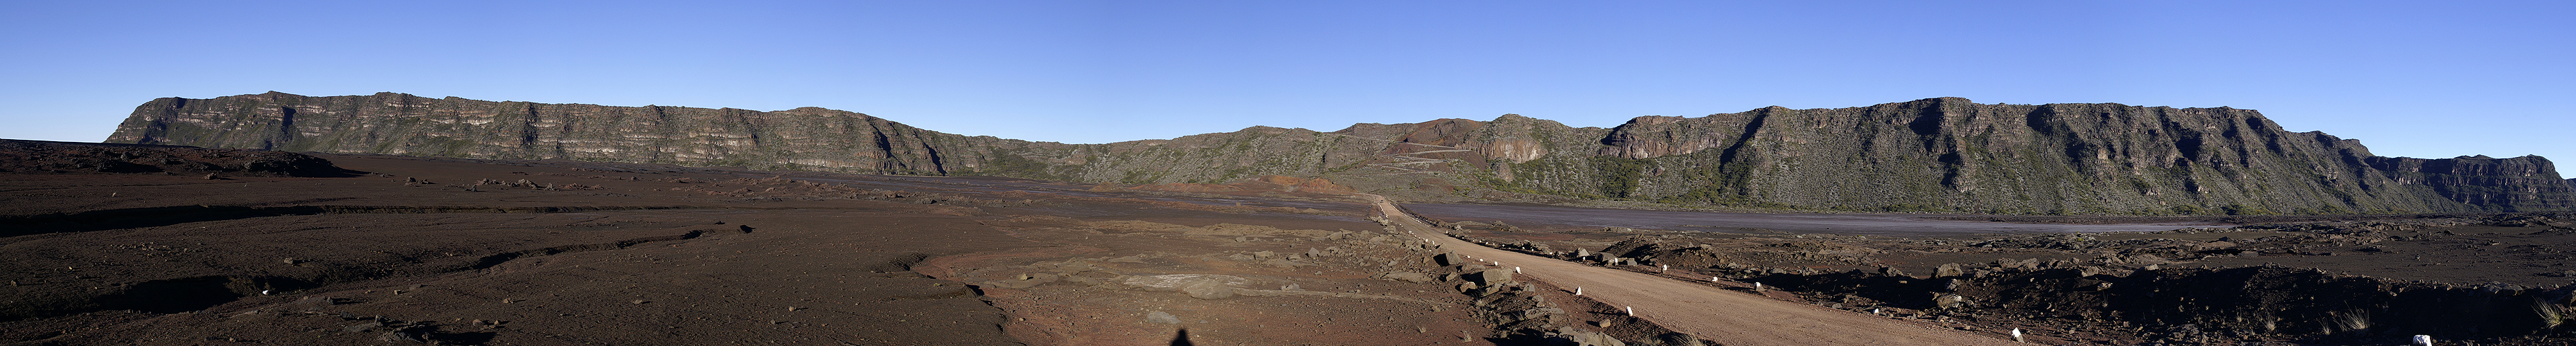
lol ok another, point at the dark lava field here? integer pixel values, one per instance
(156, 245)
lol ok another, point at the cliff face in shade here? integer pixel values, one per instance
(400, 124)
(1943, 154)
(1949, 154)
(2482, 180)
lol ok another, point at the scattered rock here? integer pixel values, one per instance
(313, 303)
(1567, 335)
(1407, 277)
(398, 337)
(361, 327)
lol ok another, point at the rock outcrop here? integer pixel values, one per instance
(1937, 155)
(43, 157)
(1949, 154)
(401, 124)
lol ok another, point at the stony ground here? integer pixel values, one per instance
(2491, 279)
(126, 245)
(459, 251)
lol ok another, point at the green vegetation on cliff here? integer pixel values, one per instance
(1931, 155)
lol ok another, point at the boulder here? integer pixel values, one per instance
(1491, 277)
(1407, 277)
(1945, 300)
(1448, 259)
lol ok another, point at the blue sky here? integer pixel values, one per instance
(2407, 78)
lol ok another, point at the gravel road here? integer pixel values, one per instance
(1709, 312)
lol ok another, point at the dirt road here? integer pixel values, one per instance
(1711, 313)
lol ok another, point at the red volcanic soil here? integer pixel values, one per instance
(382, 249)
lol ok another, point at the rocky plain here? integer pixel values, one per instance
(393, 219)
(193, 248)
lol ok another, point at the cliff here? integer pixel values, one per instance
(1943, 154)
(401, 124)
(1949, 154)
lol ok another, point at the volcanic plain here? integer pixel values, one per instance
(158, 245)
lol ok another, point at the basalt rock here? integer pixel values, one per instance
(402, 124)
(2247, 300)
(1935, 155)
(43, 157)
(1949, 154)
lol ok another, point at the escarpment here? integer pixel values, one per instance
(1948, 154)
(1932, 155)
(401, 124)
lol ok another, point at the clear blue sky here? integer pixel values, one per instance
(2416, 79)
